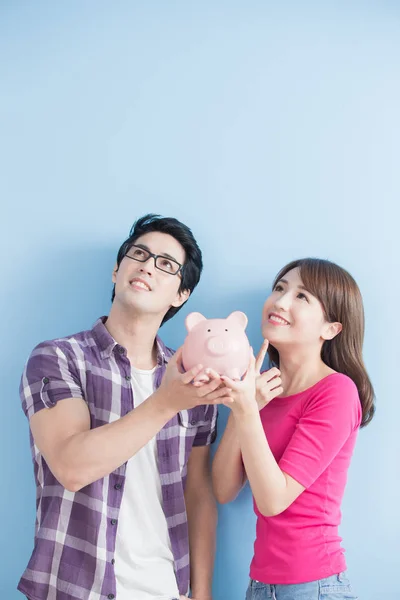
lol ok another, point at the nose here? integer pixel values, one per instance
(218, 346)
(148, 266)
(282, 302)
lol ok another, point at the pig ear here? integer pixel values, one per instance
(193, 319)
(239, 318)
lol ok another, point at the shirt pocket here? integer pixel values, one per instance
(194, 417)
(190, 423)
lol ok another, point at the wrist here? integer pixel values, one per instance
(198, 595)
(246, 413)
(247, 408)
(159, 404)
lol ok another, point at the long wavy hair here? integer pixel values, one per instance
(341, 302)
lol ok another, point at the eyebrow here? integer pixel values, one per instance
(163, 254)
(301, 287)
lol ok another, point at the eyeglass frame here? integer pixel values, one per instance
(155, 256)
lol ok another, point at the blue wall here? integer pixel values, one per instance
(272, 129)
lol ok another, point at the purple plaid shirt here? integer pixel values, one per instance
(74, 546)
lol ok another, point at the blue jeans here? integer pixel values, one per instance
(336, 587)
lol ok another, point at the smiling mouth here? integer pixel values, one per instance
(140, 284)
(277, 320)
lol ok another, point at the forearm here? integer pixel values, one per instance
(202, 522)
(228, 474)
(91, 455)
(268, 483)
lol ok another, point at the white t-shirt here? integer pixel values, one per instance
(144, 563)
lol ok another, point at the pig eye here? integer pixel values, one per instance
(226, 330)
(208, 329)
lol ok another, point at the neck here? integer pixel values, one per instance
(301, 369)
(135, 332)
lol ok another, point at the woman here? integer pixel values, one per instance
(292, 431)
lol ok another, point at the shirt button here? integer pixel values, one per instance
(120, 349)
(113, 561)
(45, 380)
(128, 377)
(193, 422)
(113, 521)
(117, 486)
(111, 596)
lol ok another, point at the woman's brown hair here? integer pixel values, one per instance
(341, 302)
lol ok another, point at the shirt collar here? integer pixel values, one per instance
(106, 343)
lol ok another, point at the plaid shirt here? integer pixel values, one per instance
(75, 534)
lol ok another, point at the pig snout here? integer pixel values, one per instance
(219, 346)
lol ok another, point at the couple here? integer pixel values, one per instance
(120, 437)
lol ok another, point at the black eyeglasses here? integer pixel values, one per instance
(162, 263)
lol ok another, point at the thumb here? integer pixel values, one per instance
(176, 360)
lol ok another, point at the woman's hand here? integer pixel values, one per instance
(242, 394)
(256, 389)
(269, 383)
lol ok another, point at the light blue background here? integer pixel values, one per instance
(272, 129)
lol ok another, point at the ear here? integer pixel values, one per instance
(114, 273)
(193, 319)
(181, 298)
(331, 330)
(239, 318)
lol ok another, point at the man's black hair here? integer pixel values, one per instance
(190, 274)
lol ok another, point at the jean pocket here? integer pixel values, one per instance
(336, 587)
(258, 591)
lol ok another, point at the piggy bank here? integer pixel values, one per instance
(219, 344)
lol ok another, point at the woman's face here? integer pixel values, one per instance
(293, 317)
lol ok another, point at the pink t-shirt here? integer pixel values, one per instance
(312, 436)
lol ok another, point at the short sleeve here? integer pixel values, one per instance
(49, 376)
(329, 418)
(207, 432)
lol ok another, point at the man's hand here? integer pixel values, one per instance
(179, 393)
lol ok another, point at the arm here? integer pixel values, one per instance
(327, 422)
(202, 522)
(60, 419)
(228, 474)
(78, 455)
(273, 489)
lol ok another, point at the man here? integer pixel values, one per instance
(120, 440)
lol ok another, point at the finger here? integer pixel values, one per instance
(213, 374)
(221, 400)
(230, 383)
(252, 363)
(263, 384)
(209, 387)
(191, 374)
(200, 383)
(261, 356)
(275, 383)
(268, 391)
(276, 392)
(210, 374)
(176, 360)
(218, 394)
(251, 371)
(270, 374)
(202, 378)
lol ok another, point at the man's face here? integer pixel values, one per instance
(143, 287)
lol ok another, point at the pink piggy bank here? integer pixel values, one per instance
(219, 344)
